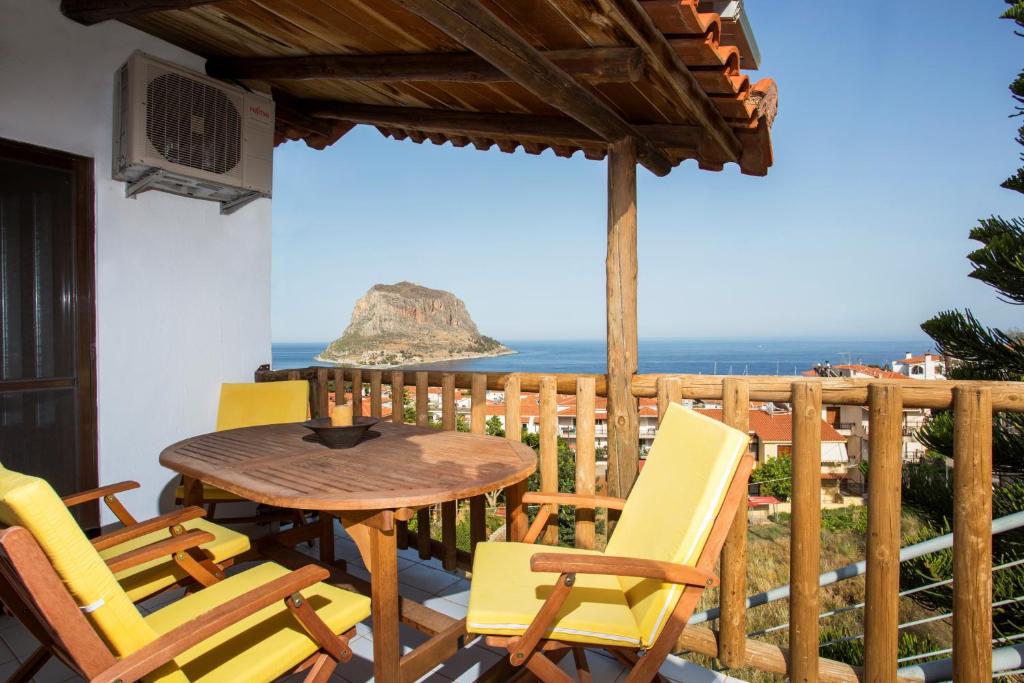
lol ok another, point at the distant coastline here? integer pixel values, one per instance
(690, 356)
(447, 359)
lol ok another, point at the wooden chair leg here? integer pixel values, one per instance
(211, 511)
(579, 656)
(31, 666)
(321, 670)
(545, 669)
(630, 658)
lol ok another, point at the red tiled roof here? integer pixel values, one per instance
(915, 359)
(776, 427)
(873, 372)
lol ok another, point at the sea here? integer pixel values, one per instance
(690, 356)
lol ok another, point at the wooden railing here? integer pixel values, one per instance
(972, 404)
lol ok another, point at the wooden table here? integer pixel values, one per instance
(382, 480)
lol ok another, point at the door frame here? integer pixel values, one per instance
(84, 227)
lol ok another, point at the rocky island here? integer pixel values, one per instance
(408, 324)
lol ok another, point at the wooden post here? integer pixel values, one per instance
(338, 375)
(549, 451)
(805, 544)
(477, 425)
(422, 400)
(449, 509)
(398, 399)
(670, 390)
(376, 377)
(516, 522)
(621, 271)
(972, 534)
(398, 417)
(357, 392)
(732, 639)
(449, 420)
(882, 581)
(321, 393)
(586, 475)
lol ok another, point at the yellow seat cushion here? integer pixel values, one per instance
(673, 505)
(262, 403)
(505, 596)
(265, 645)
(31, 503)
(211, 494)
(151, 577)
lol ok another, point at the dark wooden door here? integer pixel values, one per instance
(47, 320)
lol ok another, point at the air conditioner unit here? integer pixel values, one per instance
(180, 131)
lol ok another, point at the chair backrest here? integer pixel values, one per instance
(30, 503)
(262, 403)
(673, 505)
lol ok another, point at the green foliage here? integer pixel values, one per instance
(493, 427)
(775, 477)
(566, 484)
(853, 518)
(852, 651)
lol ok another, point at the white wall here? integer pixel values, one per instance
(183, 293)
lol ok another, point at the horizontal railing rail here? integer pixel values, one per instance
(972, 404)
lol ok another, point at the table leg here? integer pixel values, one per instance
(326, 537)
(384, 603)
(193, 491)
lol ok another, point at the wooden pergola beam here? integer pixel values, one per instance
(597, 65)
(549, 129)
(664, 64)
(91, 12)
(476, 28)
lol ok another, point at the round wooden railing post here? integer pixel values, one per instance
(398, 397)
(586, 474)
(357, 392)
(805, 544)
(422, 400)
(516, 522)
(972, 534)
(321, 393)
(732, 639)
(549, 451)
(449, 509)
(376, 379)
(882, 581)
(478, 425)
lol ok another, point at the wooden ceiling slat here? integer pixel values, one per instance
(483, 33)
(91, 12)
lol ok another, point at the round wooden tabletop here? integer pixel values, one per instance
(402, 466)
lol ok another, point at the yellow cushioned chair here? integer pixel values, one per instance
(129, 546)
(638, 594)
(254, 626)
(251, 405)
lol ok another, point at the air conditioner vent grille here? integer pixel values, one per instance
(193, 124)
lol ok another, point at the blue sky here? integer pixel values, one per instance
(891, 141)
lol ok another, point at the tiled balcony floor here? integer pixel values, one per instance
(420, 580)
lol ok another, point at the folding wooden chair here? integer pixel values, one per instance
(254, 626)
(636, 597)
(136, 552)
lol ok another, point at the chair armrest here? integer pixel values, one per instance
(131, 531)
(562, 563)
(101, 492)
(162, 548)
(577, 499)
(194, 631)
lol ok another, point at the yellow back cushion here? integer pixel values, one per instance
(31, 503)
(262, 403)
(673, 505)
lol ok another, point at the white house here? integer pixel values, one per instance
(924, 366)
(129, 313)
